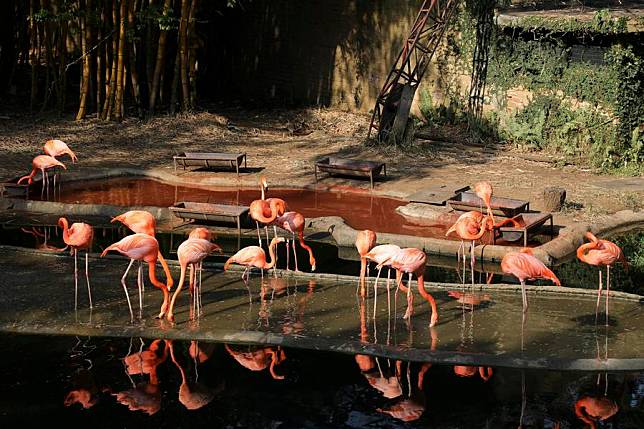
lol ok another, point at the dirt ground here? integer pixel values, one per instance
(283, 145)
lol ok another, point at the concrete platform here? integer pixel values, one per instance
(322, 312)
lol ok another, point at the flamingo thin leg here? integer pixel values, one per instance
(599, 295)
(75, 279)
(129, 304)
(375, 293)
(295, 253)
(607, 291)
(89, 291)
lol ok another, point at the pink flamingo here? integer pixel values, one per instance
(78, 236)
(140, 247)
(201, 232)
(601, 253)
(264, 210)
(591, 409)
(294, 223)
(382, 255)
(412, 261)
(192, 395)
(524, 266)
(42, 163)
(469, 226)
(254, 256)
(141, 221)
(191, 252)
(365, 240)
(483, 190)
(56, 148)
(259, 358)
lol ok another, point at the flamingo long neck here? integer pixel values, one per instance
(582, 251)
(184, 381)
(363, 269)
(182, 278)
(271, 253)
(547, 273)
(580, 411)
(157, 283)
(168, 277)
(65, 225)
(274, 212)
(228, 262)
(306, 247)
(261, 187)
(29, 177)
(428, 297)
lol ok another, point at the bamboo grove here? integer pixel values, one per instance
(134, 56)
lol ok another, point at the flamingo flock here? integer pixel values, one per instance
(143, 247)
(53, 149)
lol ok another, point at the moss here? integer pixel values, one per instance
(601, 22)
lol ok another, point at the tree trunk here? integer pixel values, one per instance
(120, 78)
(85, 39)
(33, 39)
(99, 62)
(183, 44)
(62, 73)
(192, 53)
(134, 75)
(149, 52)
(160, 59)
(553, 198)
(109, 99)
(174, 94)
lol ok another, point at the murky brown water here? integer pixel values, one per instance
(360, 210)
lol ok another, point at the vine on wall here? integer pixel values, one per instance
(591, 112)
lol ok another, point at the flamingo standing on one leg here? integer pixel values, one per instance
(365, 241)
(524, 266)
(141, 247)
(78, 236)
(141, 221)
(483, 190)
(191, 252)
(254, 256)
(382, 255)
(294, 223)
(601, 253)
(412, 261)
(469, 226)
(42, 163)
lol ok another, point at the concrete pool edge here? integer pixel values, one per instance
(497, 287)
(559, 249)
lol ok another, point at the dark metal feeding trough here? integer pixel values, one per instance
(333, 165)
(466, 201)
(190, 211)
(529, 224)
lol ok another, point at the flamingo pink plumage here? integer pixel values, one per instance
(79, 236)
(201, 232)
(382, 255)
(412, 261)
(294, 223)
(191, 252)
(601, 253)
(42, 163)
(140, 247)
(524, 266)
(56, 148)
(469, 226)
(254, 256)
(365, 241)
(141, 221)
(483, 190)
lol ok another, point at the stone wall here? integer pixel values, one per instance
(305, 52)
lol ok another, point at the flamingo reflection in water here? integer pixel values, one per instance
(257, 358)
(594, 409)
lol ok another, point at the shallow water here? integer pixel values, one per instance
(139, 382)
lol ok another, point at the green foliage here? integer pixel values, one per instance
(601, 22)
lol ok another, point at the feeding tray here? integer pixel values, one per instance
(466, 201)
(348, 167)
(529, 223)
(191, 211)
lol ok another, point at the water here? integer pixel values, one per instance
(126, 384)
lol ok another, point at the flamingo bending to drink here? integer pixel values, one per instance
(365, 241)
(141, 247)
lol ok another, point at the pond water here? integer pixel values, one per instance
(139, 382)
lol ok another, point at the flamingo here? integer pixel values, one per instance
(412, 261)
(258, 359)
(601, 253)
(191, 252)
(42, 163)
(294, 223)
(56, 148)
(254, 256)
(140, 247)
(265, 210)
(483, 190)
(470, 371)
(141, 221)
(382, 256)
(469, 226)
(78, 236)
(591, 409)
(365, 240)
(192, 395)
(201, 232)
(524, 266)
